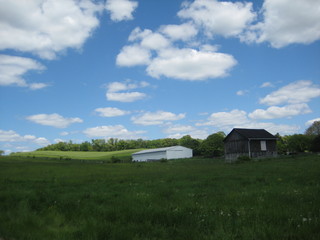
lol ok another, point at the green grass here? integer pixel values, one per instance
(124, 155)
(179, 199)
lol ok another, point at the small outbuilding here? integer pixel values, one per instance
(174, 152)
(254, 143)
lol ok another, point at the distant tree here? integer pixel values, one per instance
(213, 146)
(1, 152)
(189, 142)
(299, 143)
(314, 129)
(315, 144)
(282, 144)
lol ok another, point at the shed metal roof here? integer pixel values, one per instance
(156, 150)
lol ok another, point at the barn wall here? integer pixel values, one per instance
(149, 156)
(256, 149)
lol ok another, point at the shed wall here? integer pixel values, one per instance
(179, 153)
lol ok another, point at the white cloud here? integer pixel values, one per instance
(121, 10)
(286, 22)
(163, 59)
(156, 118)
(125, 97)
(46, 27)
(53, 120)
(266, 84)
(219, 18)
(178, 131)
(280, 112)
(182, 32)
(133, 55)
(112, 131)
(13, 68)
(297, 92)
(119, 91)
(111, 112)
(241, 92)
(190, 64)
(12, 136)
(226, 121)
(310, 122)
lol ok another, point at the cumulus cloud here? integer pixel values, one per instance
(226, 121)
(280, 112)
(162, 58)
(121, 10)
(133, 55)
(12, 136)
(219, 18)
(182, 32)
(286, 22)
(178, 131)
(266, 84)
(111, 112)
(156, 118)
(191, 64)
(297, 92)
(121, 91)
(112, 131)
(13, 68)
(46, 27)
(310, 122)
(53, 120)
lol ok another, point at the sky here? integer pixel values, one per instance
(94, 69)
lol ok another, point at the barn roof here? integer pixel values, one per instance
(252, 134)
(157, 150)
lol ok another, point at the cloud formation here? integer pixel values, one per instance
(53, 120)
(297, 92)
(111, 112)
(47, 27)
(156, 118)
(227, 19)
(121, 91)
(112, 131)
(121, 10)
(13, 69)
(280, 112)
(286, 22)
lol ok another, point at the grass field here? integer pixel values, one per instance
(181, 199)
(124, 155)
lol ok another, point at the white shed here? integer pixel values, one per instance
(174, 152)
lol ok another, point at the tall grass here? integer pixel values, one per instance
(181, 199)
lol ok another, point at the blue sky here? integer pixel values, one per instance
(86, 69)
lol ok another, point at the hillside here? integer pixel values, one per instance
(124, 155)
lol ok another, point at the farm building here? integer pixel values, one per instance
(174, 152)
(254, 143)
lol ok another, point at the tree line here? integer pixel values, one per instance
(212, 146)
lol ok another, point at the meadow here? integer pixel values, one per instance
(194, 198)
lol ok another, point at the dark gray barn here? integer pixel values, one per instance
(254, 143)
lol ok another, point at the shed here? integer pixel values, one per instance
(254, 143)
(174, 152)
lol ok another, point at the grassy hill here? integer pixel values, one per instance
(180, 199)
(124, 155)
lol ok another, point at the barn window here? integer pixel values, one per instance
(263, 145)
